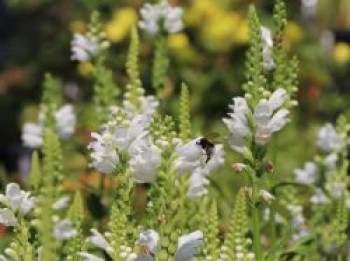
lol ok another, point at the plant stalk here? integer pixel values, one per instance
(256, 222)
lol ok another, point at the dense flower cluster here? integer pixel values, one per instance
(161, 17)
(257, 123)
(15, 200)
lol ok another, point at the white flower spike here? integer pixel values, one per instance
(161, 17)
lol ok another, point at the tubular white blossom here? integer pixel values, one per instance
(19, 199)
(7, 218)
(84, 47)
(237, 124)
(104, 156)
(188, 245)
(267, 48)
(331, 161)
(161, 17)
(148, 106)
(197, 185)
(269, 118)
(308, 174)
(61, 203)
(32, 135)
(144, 164)
(150, 239)
(64, 230)
(318, 198)
(278, 98)
(65, 121)
(329, 140)
(98, 240)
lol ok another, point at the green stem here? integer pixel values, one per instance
(256, 222)
(272, 224)
(340, 256)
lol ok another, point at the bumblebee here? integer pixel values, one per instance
(207, 145)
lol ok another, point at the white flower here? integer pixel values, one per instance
(65, 121)
(266, 196)
(98, 240)
(2, 258)
(61, 203)
(90, 257)
(187, 246)
(329, 140)
(19, 199)
(173, 18)
(268, 122)
(190, 156)
(104, 156)
(128, 138)
(150, 16)
(277, 99)
(161, 17)
(84, 47)
(190, 151)
(267, 48)
(308, 8)
(144, 164)
(197, 185)
(149, 238)
(32, 135)
(64, 230)
(7, 218)
(148, 106)
(318, 198)
(331, 161)
(237, 124)
(308, 174)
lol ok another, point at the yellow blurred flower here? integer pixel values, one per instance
(341, 53)
(178, 41)
(120, 25)
(240, 31)
(201, 11)
(85, 68)
(293, 33)
(78, 27)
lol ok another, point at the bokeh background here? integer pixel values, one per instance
(208, 55)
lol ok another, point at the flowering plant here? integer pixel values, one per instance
(145, 158)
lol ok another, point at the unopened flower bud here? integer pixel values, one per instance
(269, 167)
(239, 167)
(266, 196)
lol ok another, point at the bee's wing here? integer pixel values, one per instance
(212, 135)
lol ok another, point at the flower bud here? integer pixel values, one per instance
(266, 196)
(239, 167)
(269, 167)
